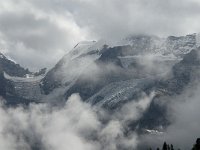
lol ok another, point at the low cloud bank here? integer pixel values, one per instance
(76, 125)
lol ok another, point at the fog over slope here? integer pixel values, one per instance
(79, 126)
(76, 125)
(128, 108)
(184, 114)
(122, 74)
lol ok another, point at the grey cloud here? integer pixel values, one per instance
(29, 34)
(51, 28)
(39, 34)
(119, 18)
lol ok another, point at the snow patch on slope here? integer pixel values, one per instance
(154, 132)
(114, 93)
(27, 88)
(81, 48)
(28, 78)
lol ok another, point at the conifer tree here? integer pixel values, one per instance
(164, 146)
(172, 147)
(168, 147)
(197, 145)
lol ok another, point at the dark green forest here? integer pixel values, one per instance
(167, 146)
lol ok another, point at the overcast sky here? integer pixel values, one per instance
(37, 33)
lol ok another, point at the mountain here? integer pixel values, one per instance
(138, 57)
(184, 74)
(18, 85)
(11, 67)
(70, 66)
(111, 74)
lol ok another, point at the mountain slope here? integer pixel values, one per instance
(70, 66)
(18, 85)
(135, 54)
(111, 76)
(12, 68)
(184, 74)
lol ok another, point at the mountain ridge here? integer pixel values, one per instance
(111, 76)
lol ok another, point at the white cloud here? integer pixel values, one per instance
(48, 29)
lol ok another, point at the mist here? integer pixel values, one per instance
(76, 125)
(183, 113)
(38, 33)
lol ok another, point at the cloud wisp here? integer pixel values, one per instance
(183, 112)
(74, 126)
(45, 30)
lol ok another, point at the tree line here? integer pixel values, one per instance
(166, 146)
